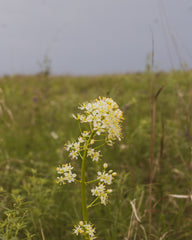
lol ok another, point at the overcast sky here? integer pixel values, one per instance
(94, 36)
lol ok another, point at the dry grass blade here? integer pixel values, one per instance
(134, 210)
(164, 235)
(137, 218)
(42, 232)
(181, 196)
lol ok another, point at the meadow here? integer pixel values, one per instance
(35, 123)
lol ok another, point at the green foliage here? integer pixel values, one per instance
(35, 122)
(14, 223)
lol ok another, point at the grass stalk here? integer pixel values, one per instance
(152, 139)
(153, 101)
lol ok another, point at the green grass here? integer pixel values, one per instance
(32, 107)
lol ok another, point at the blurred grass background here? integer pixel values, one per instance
(35, 122)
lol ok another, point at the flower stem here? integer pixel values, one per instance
(83, 188)
(83, 182)
(92, 204)
(92, 181)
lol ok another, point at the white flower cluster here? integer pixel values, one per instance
(75, 148)
(103, 121)
(66, 172)
(85, 229)
(104, 116)
(93, 154)
(104, 178)
(101, 192)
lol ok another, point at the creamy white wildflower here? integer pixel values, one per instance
(105, 165)
(85, 229)
(73, 154)
(105, 116)
(75, 117)
(86, 134)
(90, 151)
(95, 155)
(80, 117)
(102, 118)
(68, 146)
(69, 177)
(78, 229)
(81, 140)
(109, 142)
(76, 146)
(106, 177)
(64, 168)
(66, 171)
(109, 190)
(90, 230)
(101, 192)
(104, 198)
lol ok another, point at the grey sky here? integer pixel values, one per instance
(93, 36)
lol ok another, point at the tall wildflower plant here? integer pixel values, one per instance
(99, 124)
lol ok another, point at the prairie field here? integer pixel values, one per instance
(35, 123)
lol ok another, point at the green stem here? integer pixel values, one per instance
(83, 182)
(92, 204)
(83, 188)
(100, 146)
(96, 204)
(79, 126)
(92, 181)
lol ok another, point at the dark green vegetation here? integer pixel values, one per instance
(33, 206)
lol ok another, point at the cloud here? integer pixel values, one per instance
(87, 36)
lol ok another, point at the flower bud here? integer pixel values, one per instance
(105, 165)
